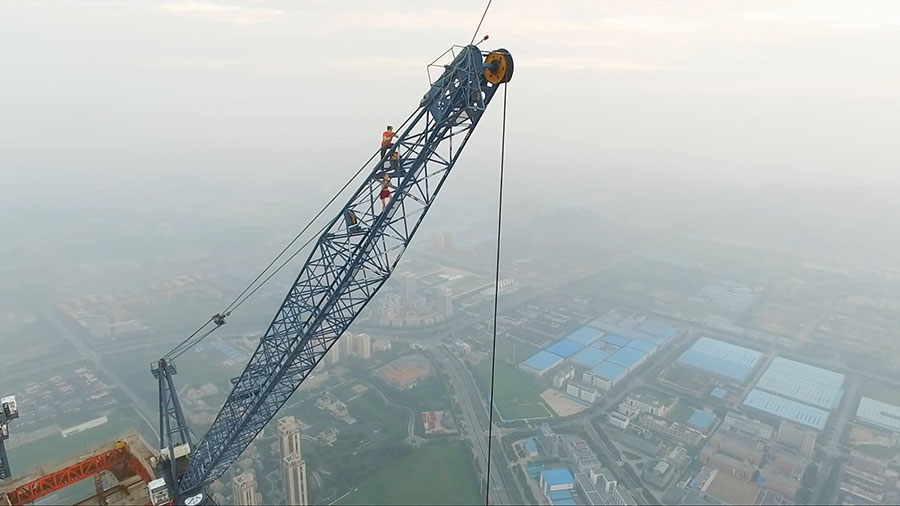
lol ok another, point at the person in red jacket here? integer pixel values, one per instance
(387, 140)
(385, 190)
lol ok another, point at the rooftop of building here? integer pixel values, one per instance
(787, 409)
(560, 476)
(701, 420)
(642, 345)
(652, 397)
(658, 328)
(627, 357)
(616, 340)
(543, 360)
(721, 358)
(562, 498)
(564, 348)
(590, 357)
(800, 389)
(608, 370)
(585, 335)
(886, 416)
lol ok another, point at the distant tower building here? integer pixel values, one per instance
(288, 436)
(407, 286)
(445, 304)
(334, 353)
(244, 490)
(363, 346)
(346, 344)
(293, 469)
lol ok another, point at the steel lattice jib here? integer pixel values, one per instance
(352, 258)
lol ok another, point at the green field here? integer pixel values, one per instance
(515, 393)
(371, 407)
(437, 473)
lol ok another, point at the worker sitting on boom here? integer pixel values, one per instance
(387, 140)
(392, 165)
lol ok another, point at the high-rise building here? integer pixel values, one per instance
(244, 490)
(363, 346)
(293, 469)
(346, 344)
(334, 353)
(445, 303)
(407, 286)
(288, 436)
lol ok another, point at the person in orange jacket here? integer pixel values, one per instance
(387, 140)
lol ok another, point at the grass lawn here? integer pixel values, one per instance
(515, 393)
(371, 407)
(680, 413)
(437, 473)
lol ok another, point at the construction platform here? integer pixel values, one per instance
(120, 469)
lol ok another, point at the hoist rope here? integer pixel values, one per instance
(496, 297)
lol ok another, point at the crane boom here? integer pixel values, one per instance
(351, 259)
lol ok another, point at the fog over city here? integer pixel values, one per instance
(699, 275)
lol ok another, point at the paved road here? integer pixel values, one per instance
(475, 418)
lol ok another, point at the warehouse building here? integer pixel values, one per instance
(808, 384)
(878, 414)
(788, 409)
(541, 363)
(721, 359)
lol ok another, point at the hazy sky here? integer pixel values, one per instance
(137, 94)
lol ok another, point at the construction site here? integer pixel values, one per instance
(117, 472)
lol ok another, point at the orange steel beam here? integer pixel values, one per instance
(119, 461)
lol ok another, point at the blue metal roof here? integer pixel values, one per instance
(585, 335)
(543, 361)
(721, 358)
(701, 420)
(589, 357)
(718, 392)
(554, 477)
(616, 340)
(787, 409)
(562, 498)
(794, 387)
(608, 370)
(530, 445)
(640, 344)
(627, 357)
(808, 372)
(658, 328)
(564, 348)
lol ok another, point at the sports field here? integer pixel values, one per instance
(515, 392)
(436, 473)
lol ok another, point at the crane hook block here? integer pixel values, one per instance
(498, 67)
